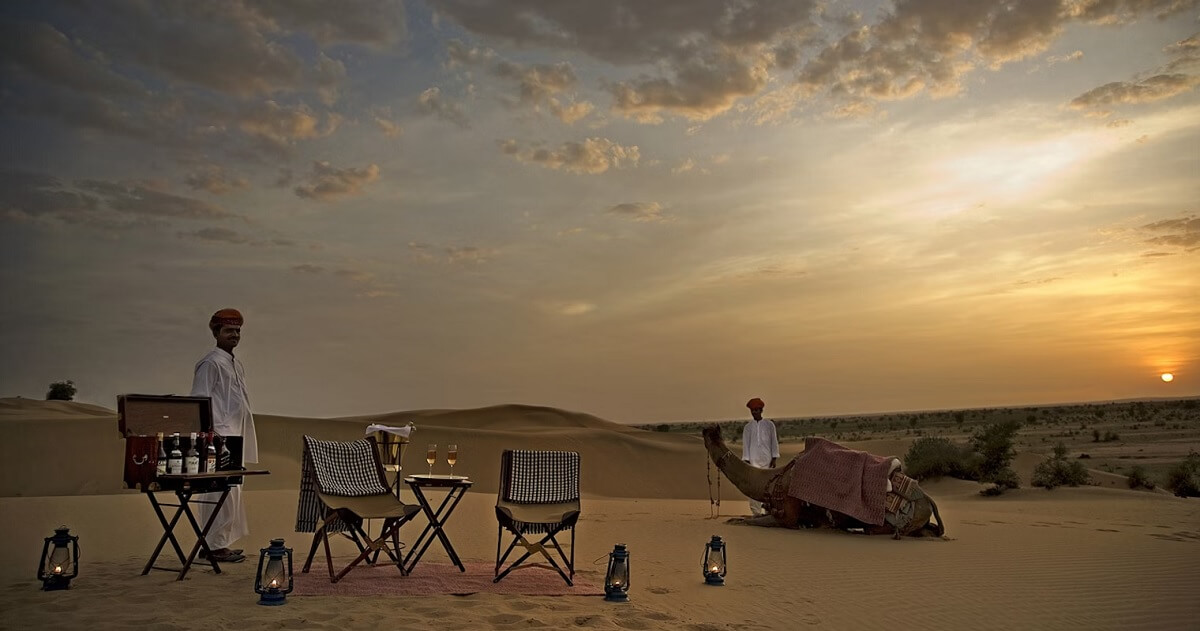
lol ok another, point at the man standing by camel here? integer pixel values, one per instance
(760, 445)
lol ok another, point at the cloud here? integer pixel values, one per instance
(1061, 59)
(1183, 232)
(283, 125)
(459, 54)
(238, 47)
(639, 211)
(40, 51)
(450, 255)
(710, 52)
(537, 82)
(224, 235)
(567, 308)
(139, 199)
(538, 85)
(213, 179)
(25, 196)
(386, 123)
(704, 85)
(590, 156)
(307, 268)
(326, 182)
(431, 102)
(1155, 88)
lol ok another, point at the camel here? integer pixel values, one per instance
(770, 486)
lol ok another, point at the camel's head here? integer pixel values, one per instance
(712, 433)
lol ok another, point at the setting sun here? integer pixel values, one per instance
(1166, 376)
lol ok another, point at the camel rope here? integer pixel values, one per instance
(714, 505)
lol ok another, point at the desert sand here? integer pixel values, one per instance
(1096, 557)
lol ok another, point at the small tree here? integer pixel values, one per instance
(933, 457)
(1184, 478)
(61, 391)
(994, 448)
(1139, 479)
(1058, 471)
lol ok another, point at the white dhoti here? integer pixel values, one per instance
(231, 523)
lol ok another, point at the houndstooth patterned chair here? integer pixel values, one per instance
(350, 487)
(538, 495)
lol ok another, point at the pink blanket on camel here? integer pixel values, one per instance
(844, 480)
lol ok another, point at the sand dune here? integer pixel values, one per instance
(1091, 557)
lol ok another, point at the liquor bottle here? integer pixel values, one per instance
(162, 456)
(225, 457)
(192, 463)
(175, 462)
(210, 461)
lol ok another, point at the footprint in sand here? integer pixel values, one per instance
(659, 590)
(1181, 536)
(1107, 530)
(505, 618)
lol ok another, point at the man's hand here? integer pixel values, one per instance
(772, 463)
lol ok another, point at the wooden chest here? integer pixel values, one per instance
(141, 416)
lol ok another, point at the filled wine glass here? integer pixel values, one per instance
(452, 456)
(431, 456)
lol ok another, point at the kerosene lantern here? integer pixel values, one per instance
(60, 560)
(616, 579)
(714, 562)
(274, 580)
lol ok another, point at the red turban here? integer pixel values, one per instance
(226, 317)
(755, 404)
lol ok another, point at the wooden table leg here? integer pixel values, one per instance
(168, 532)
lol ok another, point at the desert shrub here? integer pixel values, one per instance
(1184, 478)
(1139, 479)
(662, 427)
(1058, 471)
(935, 457)
(61, 391)
(993, 447)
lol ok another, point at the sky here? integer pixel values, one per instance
(646, 211)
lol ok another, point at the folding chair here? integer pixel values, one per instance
(349, 484)
(538, 495)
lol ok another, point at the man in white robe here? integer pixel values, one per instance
(760, 445)
(222, 377)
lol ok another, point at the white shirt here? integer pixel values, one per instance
(759, 443)
(221, 376)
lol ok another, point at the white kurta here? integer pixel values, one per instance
(759, 443)
(221, 376)
(759, 446)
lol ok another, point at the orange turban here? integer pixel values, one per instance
(226, 317)
(755, 404)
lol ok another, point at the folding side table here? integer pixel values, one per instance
(185, 486)
(456, 487)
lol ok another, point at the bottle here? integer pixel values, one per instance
(210, 461)
(175, 462)
(225, 457)
(192, 462)
(162, 456)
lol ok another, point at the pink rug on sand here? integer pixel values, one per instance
(430, 579)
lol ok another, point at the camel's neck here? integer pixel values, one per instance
(751, 481)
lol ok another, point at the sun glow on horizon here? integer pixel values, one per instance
(1168, 377)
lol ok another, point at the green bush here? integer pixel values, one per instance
(1184, 478)
(993, 446)
(933, 457)
(1139, 479)
(61, 391)
(1058, 471)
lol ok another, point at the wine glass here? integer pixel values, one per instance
(431, 456)
(452, 456)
